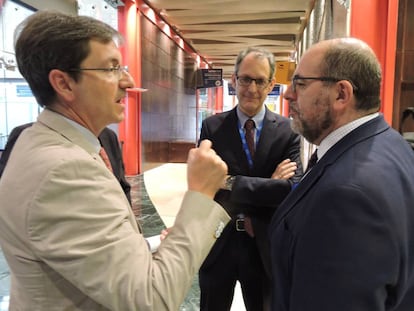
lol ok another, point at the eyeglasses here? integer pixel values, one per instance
(246, 81)
(116, 70)
(296, 81)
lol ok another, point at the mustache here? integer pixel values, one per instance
(292, 107)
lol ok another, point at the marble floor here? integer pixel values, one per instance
(165, 186)
(156, 197)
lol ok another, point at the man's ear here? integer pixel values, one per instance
(233, 80)
(343, 96)
(271, 85)
(344, 90)
(62, 83)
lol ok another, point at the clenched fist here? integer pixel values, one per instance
(206, 171)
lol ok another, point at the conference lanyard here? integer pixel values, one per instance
(244, 142)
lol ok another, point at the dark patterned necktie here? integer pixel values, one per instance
(312, 161)
(249, 127)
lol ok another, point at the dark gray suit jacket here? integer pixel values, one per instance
(344, 238)
(254, 193)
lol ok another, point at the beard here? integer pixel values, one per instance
(313, 128)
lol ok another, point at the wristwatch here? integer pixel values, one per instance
(228, 185)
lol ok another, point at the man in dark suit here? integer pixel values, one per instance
(108, 140)
(344, 238)
(242, 254)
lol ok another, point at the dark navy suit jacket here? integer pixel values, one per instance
(343, 240)
(254, 194)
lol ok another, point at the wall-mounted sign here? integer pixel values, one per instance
(284, 72)
(209, 78)
(232, 90)
(23, 90)
(275, 91)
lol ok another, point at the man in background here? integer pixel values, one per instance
(254, 188)
(344, 238)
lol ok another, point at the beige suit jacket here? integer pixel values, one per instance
(70, 236)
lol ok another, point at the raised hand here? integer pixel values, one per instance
(205, 169)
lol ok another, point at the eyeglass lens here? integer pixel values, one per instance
(246, 81)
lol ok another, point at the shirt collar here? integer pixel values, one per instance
(258, 118)
(89, 136)
(341, 132)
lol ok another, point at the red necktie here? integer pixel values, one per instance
(249, 127)
(105, 158)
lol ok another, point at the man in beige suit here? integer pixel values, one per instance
(66, 228)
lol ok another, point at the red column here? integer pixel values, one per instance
(285, 107)
(375, 22)
(198, 117)
(390, 53)
(130, 128)
(210, 99)
(219, 99)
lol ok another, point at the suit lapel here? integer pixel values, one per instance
(301, 189)
(266, 140)
(365, 131)
(268, 132)
(234, 144)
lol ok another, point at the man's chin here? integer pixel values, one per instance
(295, 127)
(249, 107)
(119, 117)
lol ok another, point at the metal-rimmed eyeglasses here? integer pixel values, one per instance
(246, 81)
(296, 81)
(116, 70)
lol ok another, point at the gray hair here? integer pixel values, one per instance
(259, 53)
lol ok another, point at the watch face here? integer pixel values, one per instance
(229, 182)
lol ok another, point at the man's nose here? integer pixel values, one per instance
(253, 82)
(126, 81)
(289, 93)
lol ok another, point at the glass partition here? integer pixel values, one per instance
(17, 104)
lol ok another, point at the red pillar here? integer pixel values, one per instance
(390, 53)
(375, 22)
(130, 128)
(219, 99)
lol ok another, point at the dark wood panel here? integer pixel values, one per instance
(404, 63)
(179, 151)
(408, 65)
(168, 109)
(408, 43)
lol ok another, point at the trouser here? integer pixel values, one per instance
(238, 259)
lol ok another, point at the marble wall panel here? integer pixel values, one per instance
(168, 110)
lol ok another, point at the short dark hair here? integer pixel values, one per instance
(50, 40)
(352, 60)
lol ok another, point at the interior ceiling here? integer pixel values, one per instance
(219, 29)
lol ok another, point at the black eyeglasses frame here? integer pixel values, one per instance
(116, 69)
(250, 80)
(324, 79)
